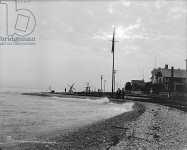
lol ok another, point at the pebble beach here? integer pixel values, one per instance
(158, 128)
(147, 127)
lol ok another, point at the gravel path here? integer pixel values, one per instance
(159, 128)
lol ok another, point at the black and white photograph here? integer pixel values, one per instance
(93, 74)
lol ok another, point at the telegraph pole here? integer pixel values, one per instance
(101, 83)
(104, 85)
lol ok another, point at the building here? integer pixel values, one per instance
(137, 86)
(172, 80)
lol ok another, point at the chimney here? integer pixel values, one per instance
(186, 64)
(166, 66)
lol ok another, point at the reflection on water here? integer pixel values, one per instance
(24, 117)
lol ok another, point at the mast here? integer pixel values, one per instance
(113, 46)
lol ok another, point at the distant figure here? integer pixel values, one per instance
(118, 93)
(52, 91)
(65, 90)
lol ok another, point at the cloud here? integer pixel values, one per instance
(160, 3)
(177, 12)
(134, 26)
(157, 36)
(122, 32)
(91, 13)
(110, 9)
(126, 3)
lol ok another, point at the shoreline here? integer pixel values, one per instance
(99, 135)
(61, 95)
(178, 104)
(148, 126)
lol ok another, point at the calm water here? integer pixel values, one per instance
(22, 117)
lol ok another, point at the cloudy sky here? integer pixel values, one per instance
(73, 43)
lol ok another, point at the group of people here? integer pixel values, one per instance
(120, 93)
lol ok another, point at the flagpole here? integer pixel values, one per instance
(113, 44)
(113, 75)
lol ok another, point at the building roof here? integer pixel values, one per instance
(178, 73)
(140, 82)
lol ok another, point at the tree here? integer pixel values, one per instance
(128, 86)
(147, 87)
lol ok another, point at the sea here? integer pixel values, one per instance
(23, 118)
